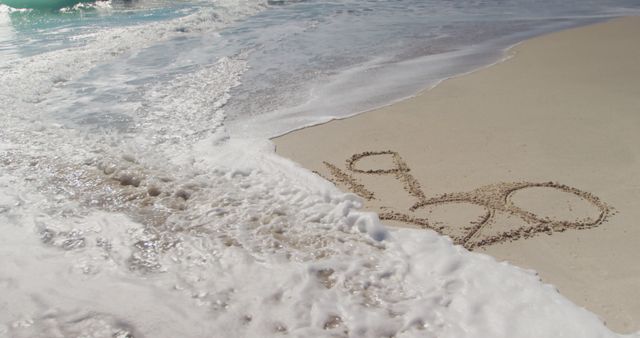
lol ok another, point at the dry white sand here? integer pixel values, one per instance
(535, 160)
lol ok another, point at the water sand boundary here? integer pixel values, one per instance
(559, 120)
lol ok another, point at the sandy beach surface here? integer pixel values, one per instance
(535, 160)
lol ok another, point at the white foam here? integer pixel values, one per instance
(178, 229)
(7, 9)
(261, 248)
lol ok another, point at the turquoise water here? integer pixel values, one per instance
(37, 31)
(304, 57)
(42, 4)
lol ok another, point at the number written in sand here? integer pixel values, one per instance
(495, 200)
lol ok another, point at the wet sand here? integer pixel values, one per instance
(535, 161)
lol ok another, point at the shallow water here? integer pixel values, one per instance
(140, 196)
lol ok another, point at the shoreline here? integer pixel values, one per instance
(442, 67)
(506, 53)
(464, 156)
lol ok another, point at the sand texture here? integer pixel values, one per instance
(535, 160)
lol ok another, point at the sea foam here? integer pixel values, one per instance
(130, 209)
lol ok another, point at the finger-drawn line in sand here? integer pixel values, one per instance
(493, 198)
(349, 181)
(401, 171)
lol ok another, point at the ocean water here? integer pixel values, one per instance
(140, 195)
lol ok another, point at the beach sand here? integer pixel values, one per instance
(535, 160)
